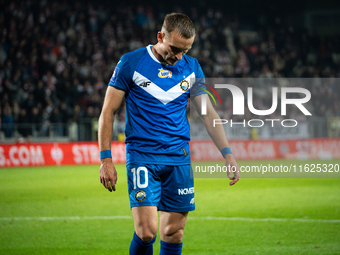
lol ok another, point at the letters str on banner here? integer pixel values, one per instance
(73, 153)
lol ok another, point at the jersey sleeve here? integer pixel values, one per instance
(122, 76)
(199, 82)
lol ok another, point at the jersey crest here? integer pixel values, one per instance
(184, 85)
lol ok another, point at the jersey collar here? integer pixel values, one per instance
(149, 48)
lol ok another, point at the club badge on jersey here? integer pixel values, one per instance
(184, 85)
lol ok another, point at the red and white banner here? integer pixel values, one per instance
(78, 153)
(323, 148)
(41, 154)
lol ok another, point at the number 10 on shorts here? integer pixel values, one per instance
(136, 177)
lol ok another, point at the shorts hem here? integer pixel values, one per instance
(170, 209)
(167, 209)
(142, 204)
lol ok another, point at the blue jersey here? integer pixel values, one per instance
(156, 96)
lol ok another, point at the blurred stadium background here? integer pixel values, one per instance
(56, 58)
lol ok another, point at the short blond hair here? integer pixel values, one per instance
(180, 23)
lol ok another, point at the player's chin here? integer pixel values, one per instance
(172, 62)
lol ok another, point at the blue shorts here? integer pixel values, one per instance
(170, 188)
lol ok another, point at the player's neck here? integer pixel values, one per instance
(156, 54)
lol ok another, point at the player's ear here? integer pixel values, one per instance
(160, 36)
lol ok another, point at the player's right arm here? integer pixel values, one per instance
(113, 99)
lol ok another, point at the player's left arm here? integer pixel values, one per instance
(218, 136)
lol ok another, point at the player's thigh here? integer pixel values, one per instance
(145, 221)
(144, 187)
(172, 224)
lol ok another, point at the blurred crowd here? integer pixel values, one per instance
(57, 57)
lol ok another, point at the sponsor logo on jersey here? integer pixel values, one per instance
(186, 191)
(140, 195)
(164, 73)
(145, 84)
(184, 85)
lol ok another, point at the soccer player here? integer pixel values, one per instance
(156, 82)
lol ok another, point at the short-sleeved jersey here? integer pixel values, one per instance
(156, 96)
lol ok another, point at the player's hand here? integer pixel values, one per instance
(233, 171)
(108, 174)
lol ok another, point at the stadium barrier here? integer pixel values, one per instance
(317, 148)
(78, 153)
(57, 153)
